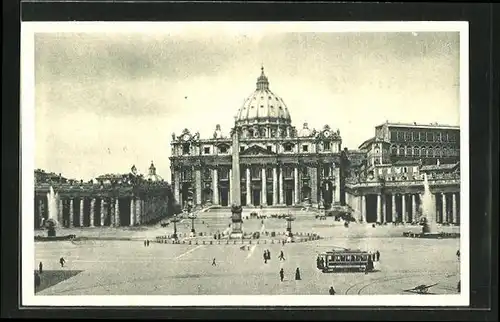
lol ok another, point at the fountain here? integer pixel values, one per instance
(51, 222)
(429, 225)
(427, 206)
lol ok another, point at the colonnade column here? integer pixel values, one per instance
(117, 212)
(282, 197)
(393, 208)
(403, 208)
(434, 207)
(104, 211)
(314, 184)
(379, 208)
(336, 171)
(177, 194)
(413, 208)
(275, 186)
(384, 208)
(363, 208)
(92, 212)
(231, 187)
(296, 186)
(215, 187)
(264, 187)
(138, 210)
(444, 209)
(454, 208)
(197, 174)
(71, 213)
(81, 212)
(248, 185)
(132, 211)
(60, 217)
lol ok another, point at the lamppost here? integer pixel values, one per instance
(192, 217)
(175, 220)
(289, 220)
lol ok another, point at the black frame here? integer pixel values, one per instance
(483, 147)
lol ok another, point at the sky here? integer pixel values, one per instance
(105, 101)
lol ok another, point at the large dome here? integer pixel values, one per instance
(263, 106)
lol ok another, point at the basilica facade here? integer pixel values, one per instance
(279, 165)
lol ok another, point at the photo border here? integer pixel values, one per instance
(481, 97)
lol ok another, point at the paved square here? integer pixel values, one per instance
(129, 268)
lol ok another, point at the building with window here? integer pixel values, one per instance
(279, 164)
(388, 186)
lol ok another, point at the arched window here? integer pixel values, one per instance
(417, 151)
(394, 150)
(428, 152)
(438, 153)
(401, 151)
(445, 152)
(409, 151)
(423, 152)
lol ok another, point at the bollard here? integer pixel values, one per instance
(183, 241)
(189, 242)
(227, 242)
(250, 242)
(210, 242)
(196, 243)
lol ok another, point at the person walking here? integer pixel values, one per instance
(62, 261)
(282, 274)
(214, 263)
(145, 243)
(268, 255)
(378, 255)
(265, 257)
(282, 256)
(297, 274)
(40, 268)
(331, 291)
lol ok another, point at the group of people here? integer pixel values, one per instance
(146, 243)
(297, 274)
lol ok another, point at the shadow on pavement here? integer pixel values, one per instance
(51, 278)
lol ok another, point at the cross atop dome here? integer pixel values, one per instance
(262, 81)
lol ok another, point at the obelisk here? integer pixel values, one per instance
(237, 221)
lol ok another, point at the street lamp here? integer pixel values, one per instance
(192, 217)
(175, 220)
(289, 220)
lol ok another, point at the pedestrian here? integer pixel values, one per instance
(40, 268)
(458, 287)
(62, 261)
(458, 253)
(378, 255)
(147, 242)
(265, 257)
(282, 256)
(268, 255)
(297, 274)
(331, 291)
(282, 274)
(283, 242)
(214, 263)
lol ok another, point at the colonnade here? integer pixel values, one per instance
(92, 212)
(276, 189)
(405, 207)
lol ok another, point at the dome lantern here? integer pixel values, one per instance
(262, 81)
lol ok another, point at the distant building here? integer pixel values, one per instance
(389, 184)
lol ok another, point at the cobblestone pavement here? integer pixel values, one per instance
(129, 268)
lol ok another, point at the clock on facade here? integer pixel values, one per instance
(326, 133)
(185, 137)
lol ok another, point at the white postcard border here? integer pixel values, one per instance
(28, 298)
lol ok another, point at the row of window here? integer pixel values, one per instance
(224, 149)
(425, 152)
(423, 136)
(398, 170)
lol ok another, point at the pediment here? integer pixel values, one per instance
(257, 150)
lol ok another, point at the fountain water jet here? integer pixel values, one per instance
(52, 204)
(428, 209)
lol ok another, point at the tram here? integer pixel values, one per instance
(345, 260)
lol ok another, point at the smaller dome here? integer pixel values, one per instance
(305, 131)
(152, 176)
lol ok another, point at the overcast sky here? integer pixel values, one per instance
(106, 101)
